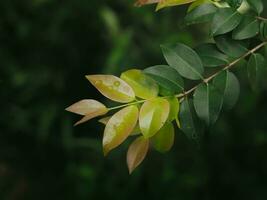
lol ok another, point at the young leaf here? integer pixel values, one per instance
(188, 120)
(112, 87)
(168, 3)
(167, 77)
(91, 115)
(136, 130)
(232, 48)
(232, 91)
(256, 5)
(85, 107)
(224, 21)
(153, 115)
(174, 108)
(211, 56)
(143, 86)
(137, 153)
(208, 103)
(248, 28)
(119, 127)
(185, 60)
(201, 14)
(164, 138)
(255, 67)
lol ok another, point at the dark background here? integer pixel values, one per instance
(46, 49)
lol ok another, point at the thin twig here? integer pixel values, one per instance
(261, 18)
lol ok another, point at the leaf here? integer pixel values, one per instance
(232, 91)
(143, 86)
(211, 56)
(112, 87)
(188, 120)
(263, 30)
(164, 138)
(208, 103)
(174, 108)
(137, 153)
(234, 3)
(185, 60)
(201, 14)
(197, 3)
(153, 115)
(256, 5)
(224, 21)
(248, 28)
(86, 106)
(119, 127)
(136, 130)
(89, 108)
(232, 48)
(166, 77)
(255, 68)
(168, 3)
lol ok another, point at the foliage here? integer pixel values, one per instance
(235, 27)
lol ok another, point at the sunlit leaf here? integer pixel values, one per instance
(168, 3)
(119, 127)
(164, 138)
(174, 108)
(153, 115)
(85, 106)
(92, 115)
(137, 153)
(112, 87)
(143, 86)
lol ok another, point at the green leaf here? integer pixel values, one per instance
(232, 91)
(256, 67)
(248, 28)
(185, 60)
(201, 14)
(164, 138)
(197, 3)
(188, 120)
(153, 115)
(143, 86)
(112, 87)
(232, 48)
(256, 5)
(137, 153)
(211, 56)
(174, 108)
(166, 77)
(234, 3)
(263, 30)
(119, 127)
(168, 3)
(208, 103)
(224, 21)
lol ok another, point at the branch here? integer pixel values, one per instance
(227, 67)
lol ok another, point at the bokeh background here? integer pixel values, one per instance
(46, 49)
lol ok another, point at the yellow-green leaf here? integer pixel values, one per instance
(174, 108)
(112, 87)
(164, 139)
(119, 127)
(143, 86)
(91, 115)
(137, 153)
(136, 130)
(168, 3)
(85, 106)
(153, 115)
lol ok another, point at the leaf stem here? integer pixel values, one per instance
(261, 18)
(205, 80)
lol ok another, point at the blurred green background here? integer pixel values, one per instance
(46, 48)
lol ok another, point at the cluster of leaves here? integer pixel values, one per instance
(157, 97)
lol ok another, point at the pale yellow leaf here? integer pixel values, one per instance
(92, 115)
(144, 87)
(137, 153)
(119, 127)
(153, 115)
(112, 87)
(168, 3)
(85, 106)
